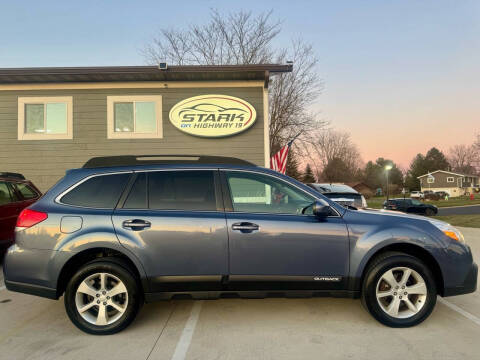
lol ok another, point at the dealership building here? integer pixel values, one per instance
(54, 119)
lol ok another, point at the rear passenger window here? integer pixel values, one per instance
(137, 198)
(26, 191)
(5, 196)
(100, 192)
(181, 190)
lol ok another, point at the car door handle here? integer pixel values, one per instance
(136, 224)
(245, 226)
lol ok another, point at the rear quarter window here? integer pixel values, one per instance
(26, 191)
(5, 194)
(101, 192)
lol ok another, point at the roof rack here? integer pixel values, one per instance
(133, 160)
(12, 175)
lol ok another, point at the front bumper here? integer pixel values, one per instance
(469, 284)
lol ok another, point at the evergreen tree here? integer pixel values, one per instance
(421, 165)
(374, 174)
(336, 171)
(308, 176)
(292, 166)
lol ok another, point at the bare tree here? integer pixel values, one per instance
(290, 97)
(333, 146)
(241, 38)
(462, 158)
(238, 38)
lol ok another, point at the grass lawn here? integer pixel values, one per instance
(377, 201)
(461, 220)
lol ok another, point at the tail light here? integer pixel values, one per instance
(28, 218)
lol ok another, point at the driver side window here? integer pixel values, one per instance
(257, 193)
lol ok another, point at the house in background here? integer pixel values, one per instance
(453, 183)
(362, 188)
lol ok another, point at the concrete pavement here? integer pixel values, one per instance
(35, 328)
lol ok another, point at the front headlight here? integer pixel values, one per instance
(449, 230)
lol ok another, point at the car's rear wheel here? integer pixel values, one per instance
(429, 212)
(103, 297)
(399, 290)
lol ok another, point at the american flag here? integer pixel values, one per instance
(278, 162)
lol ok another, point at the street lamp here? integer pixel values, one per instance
(387, 169)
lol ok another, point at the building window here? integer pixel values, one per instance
(430, 180)
(450, 179)
(134, 117)
(45, 118)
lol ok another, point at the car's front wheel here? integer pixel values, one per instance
(102, 297)
(399, 290)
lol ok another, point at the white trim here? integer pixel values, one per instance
(450, 177)
(22, 101)
(443, 171)
(133, 85)
(430, 180)
(111, 100)
(266, 129)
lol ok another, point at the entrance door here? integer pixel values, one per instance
(271, 240)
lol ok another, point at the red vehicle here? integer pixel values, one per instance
(16, 194)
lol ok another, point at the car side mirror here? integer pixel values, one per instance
(320, 210)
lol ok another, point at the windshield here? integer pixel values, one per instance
(416, 202)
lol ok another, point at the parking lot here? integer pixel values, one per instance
(36, 328)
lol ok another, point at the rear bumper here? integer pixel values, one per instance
(32, 289)
(5, 244)
(32, 271)
(469, 284)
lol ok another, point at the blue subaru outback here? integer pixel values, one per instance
(124, 230)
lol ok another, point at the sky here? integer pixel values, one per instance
(399, 76)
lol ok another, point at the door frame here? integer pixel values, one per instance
(227, 199)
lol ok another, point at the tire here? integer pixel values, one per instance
(104, 315)
(375, 281)
(429, 212)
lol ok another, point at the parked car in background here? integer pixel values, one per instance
(412, 206)
(122, 230)
(416, 194)
(442, 194)
(341, 194)
(16, 194)
(430, 195)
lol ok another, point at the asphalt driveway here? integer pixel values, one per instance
(460, 210)
(35, 328)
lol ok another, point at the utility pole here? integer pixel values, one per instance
(387, 169)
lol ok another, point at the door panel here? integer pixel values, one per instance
(288, 245)
(178, 246)
(295, 250)
(175, 223)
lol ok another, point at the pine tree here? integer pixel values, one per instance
(308, 176)
(292, 166)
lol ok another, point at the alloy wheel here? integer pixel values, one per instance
(101, 299)
(401, 292)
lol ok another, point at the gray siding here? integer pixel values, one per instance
(440, 181)
(45, 161)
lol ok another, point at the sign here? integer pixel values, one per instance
(213, 115)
